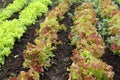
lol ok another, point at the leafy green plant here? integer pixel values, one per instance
(42, 50)
(89, 47)
(106, 8)
(12, 30)
(87, 67)
(29, 75)
(37, 56)
(117, 1)
(28, 15)
(114, 42)
(83, 33)
(110, 24)
(16, 6)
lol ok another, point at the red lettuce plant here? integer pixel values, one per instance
(30, 75)
(87, 67)
(84, 35)
(106, 8)
(37, 56)
(110, 12)
(89, 47)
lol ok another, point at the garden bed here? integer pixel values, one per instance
(63, 53)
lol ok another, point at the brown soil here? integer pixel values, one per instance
(63, 53)
(114, 61)
(3, 3)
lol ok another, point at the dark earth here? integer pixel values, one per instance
(63, 53)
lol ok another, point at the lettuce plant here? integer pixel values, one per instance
(89, 47)
(38, 55)
(16, 6)
(29, 75)
(28, 15)
(114, 42)
(87, 67)
(83, 34)
(14, 29)
(106, 8)
(111, 14)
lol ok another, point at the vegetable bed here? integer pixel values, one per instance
(61, 61)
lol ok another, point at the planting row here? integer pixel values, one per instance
(85, 35)
(110, 24)
(16, 6)
(14, 29)
(89, 47)
(37, 56)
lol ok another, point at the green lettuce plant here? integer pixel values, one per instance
(12, 8)
(14, 29)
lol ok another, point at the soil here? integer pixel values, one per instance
(3, 3)
(63, 54)
(114, 61)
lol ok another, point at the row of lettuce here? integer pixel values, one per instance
(12, 8)
(89, 47)
(37, 56)
(109, 23)
(12, 30)
(84, 36)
